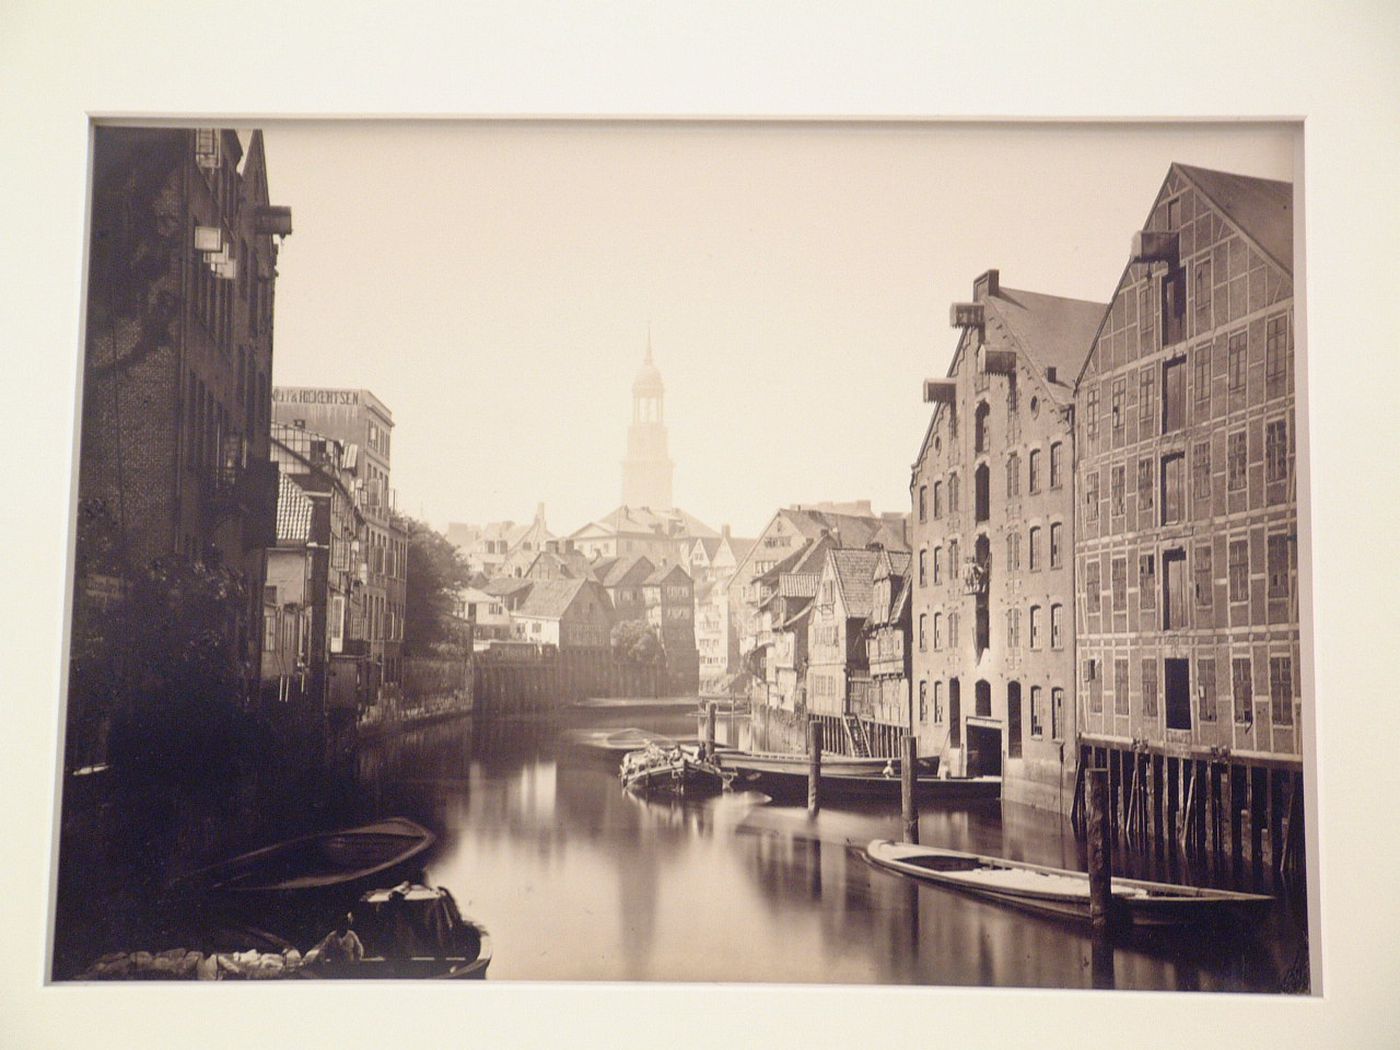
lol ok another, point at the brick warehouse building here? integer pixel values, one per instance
(1186, 543)
(993, 519)
(178, 358)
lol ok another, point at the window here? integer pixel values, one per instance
(1173, 306)
(1035, 626)
(1146, 481)
(1033, 479)
(953, 494)
(937, 564)
(1173, 395)
(938, 499)
(923, 567)
(1057, 466)
(1147, 395)
(952, 630)
(1034, 552)
(980, 439)
(1205, 583)
(1117, 485)
(923, 632)
(1281, 689)
(1119, 395)
(1242, 687)
(1202, 294)
(982, 492)
(1013, 475)
(1276, 450)
(1236, 361)
(1236, 461)
(1093, 586)
(953, 560)
(1057, 636)
(1149, 688)
(1091, 496)
(1037, 711)
(1173, 488)
(1278, 559)
(1174, 213)
(270, 630)
(1205, 688)
(1147, 581)
(1094, 680)
(1057, 713)
(1120, 687)
(1177, 604)
(1201, 384)
(1200, 470)
(923, 503)
(1147, 317)
(923, 701)
(1118, 572)
(938, 702)
(1239, 570)
(1013, 628)
(1056, 544)
(1276, 357)
(1091, 411)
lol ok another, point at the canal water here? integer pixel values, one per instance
(578, 880)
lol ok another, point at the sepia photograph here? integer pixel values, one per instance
(793, 552)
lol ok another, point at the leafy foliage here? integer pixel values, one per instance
(435, 570)
(636, 642)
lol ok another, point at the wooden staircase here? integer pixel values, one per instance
(856, 737)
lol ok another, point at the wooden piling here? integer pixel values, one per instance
(710, 710)
(1100, 851)
(814, 767)
(907, 770)
(1258, 813)
(1276, 818)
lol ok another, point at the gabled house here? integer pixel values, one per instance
(670, 610)
(624, 579)
(889, 653)
(568, 614)
(838, 671)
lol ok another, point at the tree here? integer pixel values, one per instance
(435, 570)
(636, 642)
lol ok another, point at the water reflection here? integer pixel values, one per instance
(579, 880)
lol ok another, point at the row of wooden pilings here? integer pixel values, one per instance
(909, 747)
(1219, 810)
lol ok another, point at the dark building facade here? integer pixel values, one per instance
(178, 359)
(1187, 532)
(993, 524)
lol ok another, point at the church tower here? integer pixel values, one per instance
(646, 472)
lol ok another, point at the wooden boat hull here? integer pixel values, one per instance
(341, 863)
(844, 785)
(1059, 893)
(681, 776)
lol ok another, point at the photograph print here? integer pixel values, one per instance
(844, 553)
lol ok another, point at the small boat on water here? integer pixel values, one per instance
(406, 931)
(1057, 892)
(344, 863)
(675, 770)
(848, 779)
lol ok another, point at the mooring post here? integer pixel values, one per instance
(814, 767)
(1100, 857)
(710, 729)
(907, 768)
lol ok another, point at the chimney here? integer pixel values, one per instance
(987, 285)
(724, 532)
(539, 512)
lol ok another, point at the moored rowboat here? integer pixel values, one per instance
(675, 770)
(1058, 892)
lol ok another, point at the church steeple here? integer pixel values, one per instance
(647, 470)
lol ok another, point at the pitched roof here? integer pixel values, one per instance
(855, 575)
(630, 570)
(1261, 208)
(293, 511)
(645, 521)
(550, 599)
(503, 586)
(1050, 330)
(664, 571)
(851, 530)
(795, 620)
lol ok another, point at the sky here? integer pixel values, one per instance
(494, 284)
